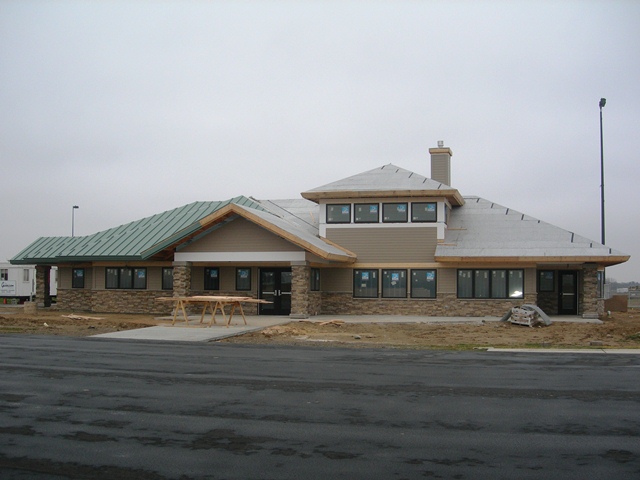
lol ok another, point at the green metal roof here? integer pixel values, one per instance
(137, 240)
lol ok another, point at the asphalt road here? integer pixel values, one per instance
(109, 409)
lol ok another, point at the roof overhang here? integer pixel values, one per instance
(451, 194)
(606, 261)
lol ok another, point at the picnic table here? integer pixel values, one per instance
(212, 303)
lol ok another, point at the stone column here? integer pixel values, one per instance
(43, 288)
(592, 306)
(181, 279)
(300, 276)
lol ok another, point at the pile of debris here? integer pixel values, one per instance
(529, 315)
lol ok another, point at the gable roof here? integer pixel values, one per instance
(157, 236)
(386, 181)
(483, 231)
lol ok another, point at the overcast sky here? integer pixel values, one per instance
(130, 108)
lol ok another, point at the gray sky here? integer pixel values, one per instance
(129, 108)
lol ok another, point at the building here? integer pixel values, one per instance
(386, 241)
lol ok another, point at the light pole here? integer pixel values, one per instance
(603, 102)
(73, 217)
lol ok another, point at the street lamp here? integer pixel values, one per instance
(73, 215)
(603, 102)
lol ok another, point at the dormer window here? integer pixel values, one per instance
(339, 213)
(366, 213)
(395, 212)
(424, 212)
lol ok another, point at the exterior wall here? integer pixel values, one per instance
(300, 278)
(43, 294)
(388, 244)
(589, 304)
(241, 235)
(445, 305)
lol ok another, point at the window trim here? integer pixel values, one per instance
(75, 283)
(392, 271)
(208, 279)
(473, 271)
(377, 283)
(370, 204)
(406, 204)
(413, 204)
(119, 270)
(239, 278)
(314, 280)
(342, 205)
(435, 282)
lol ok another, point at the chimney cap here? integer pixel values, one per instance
(440, 143)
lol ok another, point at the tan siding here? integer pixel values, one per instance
(530, 281)
(387, 245)
(197, 278)
(98, 278)
(154, 278)
(447, 280)
(336, 279)
(228, 279)
(240, 235)
(64, 277)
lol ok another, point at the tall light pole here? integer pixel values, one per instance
(603, 102)
(73, 217)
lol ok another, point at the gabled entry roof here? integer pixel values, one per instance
(157, 236)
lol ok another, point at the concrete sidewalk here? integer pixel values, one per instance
(197, 332)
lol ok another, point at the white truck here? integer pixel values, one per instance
(18, 283)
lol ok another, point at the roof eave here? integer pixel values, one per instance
(607, 260)
(453, 195)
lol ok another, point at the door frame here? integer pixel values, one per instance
(574, 309)
(278, 292)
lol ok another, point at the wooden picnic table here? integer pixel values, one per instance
(213, 303)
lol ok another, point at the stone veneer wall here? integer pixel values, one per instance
(75, 299)
(114, 301)
(181, 279)
(43, 292)
(315, 303)
(300, 277)
(590, 305)
(446, 305)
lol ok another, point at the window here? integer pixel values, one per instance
(315, 280)
(25, 274)
(546, 281)
(423, 284)
(243, 279)
(4, 274)
(77, 278)
(339, 213)
(394, 283)
(366, 213)
(424, 212)
(394, 212)
(212, 278)
(167, 278)
(126, 278)
(490, 284)
(365, 283)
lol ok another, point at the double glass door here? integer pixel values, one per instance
(275, 287)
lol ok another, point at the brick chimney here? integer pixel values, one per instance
(441, 163)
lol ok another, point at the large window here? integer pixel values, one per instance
(315, 280)
(546, 281)
(243, 279)
(366, 213)
(490, 283)
(340, 213)
(126, 278)
(424, 212)
(394, 283)
(77, 278)
(212, 278)
(167, 278)
(395, 212)
(365, 283)
(423, 283)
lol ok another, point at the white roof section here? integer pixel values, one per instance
(485, 231)
(386, 181)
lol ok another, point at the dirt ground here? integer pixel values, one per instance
(621, 330)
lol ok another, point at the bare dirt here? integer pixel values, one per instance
(621, 330)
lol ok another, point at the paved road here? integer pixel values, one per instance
(113, 409)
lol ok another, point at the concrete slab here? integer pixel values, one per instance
(196, 332)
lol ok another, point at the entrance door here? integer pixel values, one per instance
(568, 293)
(275, 286)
